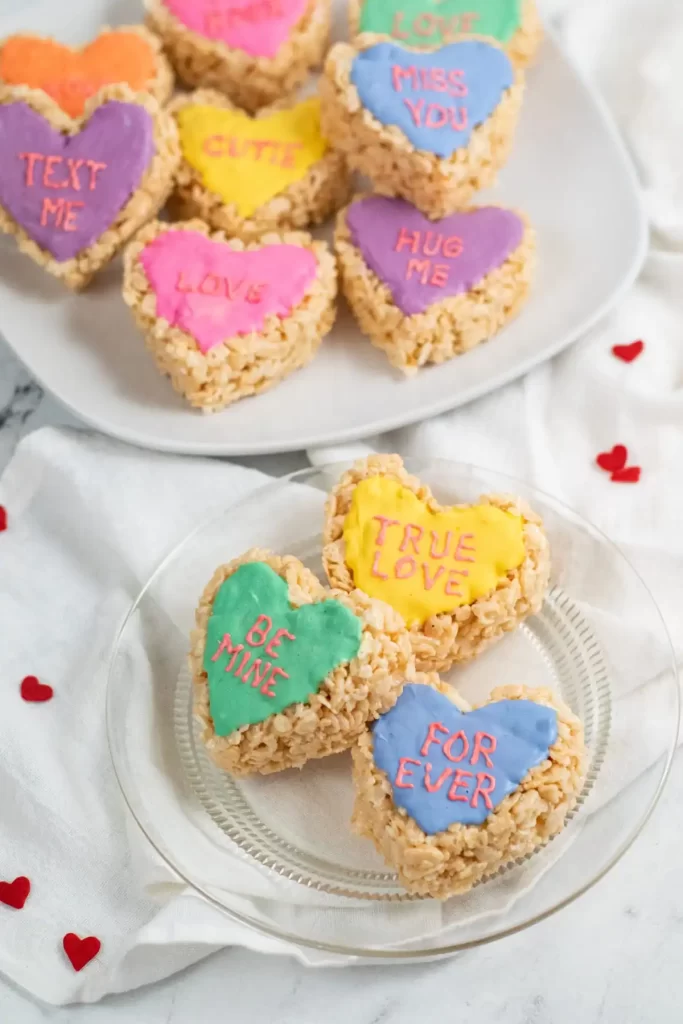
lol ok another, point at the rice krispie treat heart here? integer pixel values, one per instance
(73, 191)
(285, 670)
(450, 796)
(514, 24)
(461, 576)
(255, 51)
(248, 175)
(130, 55)
(226, 319)
(434, 127)
(425, 291)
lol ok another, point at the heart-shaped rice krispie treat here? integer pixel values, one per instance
(432, 127)
(461, 576)
(285, 670)
(73, 191)
(130, 55)
(248, 175)
(254, 51)
(425, 24)
(449, 796)
(425, 291)
(227, 319)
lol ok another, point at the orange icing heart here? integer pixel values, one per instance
(71, 76)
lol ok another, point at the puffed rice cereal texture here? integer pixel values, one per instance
(446, 329)
(521, 48)
(352, 695)
(243, 365)
(324, 188)
(437, 186)
(458, 636)
(250, 82)
(144, 203)
(451, 862)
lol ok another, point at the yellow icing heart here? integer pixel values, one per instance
(421, 562)
(245, 160)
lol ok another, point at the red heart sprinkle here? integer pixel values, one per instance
(628, 353)
(3, 518)
(14, 894)
(34, 691)
(80, 951)
(627, 476)
(613, 461)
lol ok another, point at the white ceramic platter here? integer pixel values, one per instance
(569, 171)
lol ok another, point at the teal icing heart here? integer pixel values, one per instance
(262, 655)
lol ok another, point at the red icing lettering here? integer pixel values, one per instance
(431, 737)
(459, 779)
(446, 545)
(51, 162)
(404, 773)
(255, 293)
(453, 247)
(181, 284)
(396, 27)
(458, 122)
(212, 146)
(210, 284)
(467, 21)
(74, 167)
(375, 567)
(226, 645)
(94, 169)
(421, 267)
(276, 671)
(425, 24)
(439, 276)
(482, 790)
(63, 211)
(397, 73)
(448, 746)
(69, 223)
(412, 534)
(430, 248)
(481, 750)
(288, 157)
(254, 669)
(456, 83)
(30, 159)
(259, 631)
(384, 523)
(434, 787)
(452, 584)
(429, 581)
(411, 239)
(439, 83)
(461, 546)
(405, 568)
(276, 641)
(242, 665)
(415, 109)
(436, 116)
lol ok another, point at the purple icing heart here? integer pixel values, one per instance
(425, 261)
(66, 190)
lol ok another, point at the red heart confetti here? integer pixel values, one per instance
(81, 951)
(614, 461)
(35, 692)
(14, 894)
(3, 518)
(627, 476)
(627, 353)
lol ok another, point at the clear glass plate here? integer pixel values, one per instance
(599, 642)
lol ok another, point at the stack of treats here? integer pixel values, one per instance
(230, 290)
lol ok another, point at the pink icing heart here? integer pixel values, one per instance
(258, 27)
(214, 293)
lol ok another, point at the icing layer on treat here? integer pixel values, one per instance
(422, 562)
(66, 190)
(434, 22)
(70, 76)
(213, 292)
(437, 99)
(247, 161)
(448, 767)
(262, 655)
(258, 27)
(425, 261)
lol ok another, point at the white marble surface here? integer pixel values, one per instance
(614, 956)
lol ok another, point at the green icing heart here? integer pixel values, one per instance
(434, 22)
(262, 655)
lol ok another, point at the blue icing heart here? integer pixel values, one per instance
(446, 766)
(438, 98)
